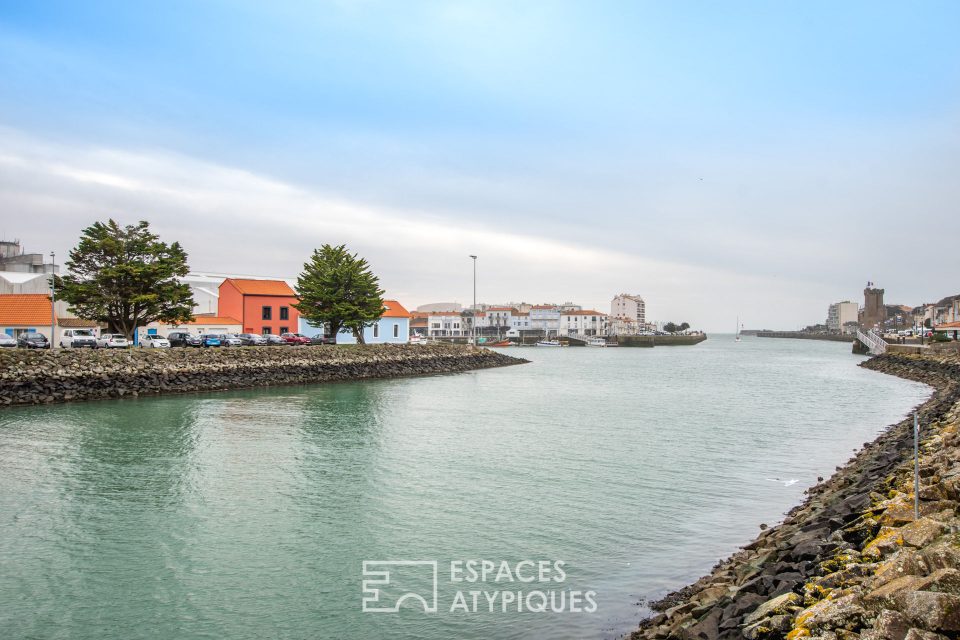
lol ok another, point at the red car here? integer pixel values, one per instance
(295, 338)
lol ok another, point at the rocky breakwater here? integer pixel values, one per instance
(37, 377)
(852, 561)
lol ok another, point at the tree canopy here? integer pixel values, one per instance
(126, 277)
(671, 327)
(338, 289)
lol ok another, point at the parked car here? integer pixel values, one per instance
(112, 341)
(273, 339)
(7, 341)
(210, 340)
(230, 340)
(153, 341)
(252, 339)
(33, 340)
(183, 339)
(322, 339)
(77, 338)
(295, 338)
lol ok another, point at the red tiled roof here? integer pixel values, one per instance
(585, 312)
(394, 310)
(444, 313)
(24, 309)
(501, 309)
(261, 287)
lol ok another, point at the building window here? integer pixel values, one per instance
(284, 329)
(376, 330)
(266, 313)
(265, 331)
(284, 313)
(396, 331)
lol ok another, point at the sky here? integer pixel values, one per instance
(722, 159)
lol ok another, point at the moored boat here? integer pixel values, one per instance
(549, 343)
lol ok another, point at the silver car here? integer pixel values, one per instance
(152, 341)
(7, 341)
(230, 340)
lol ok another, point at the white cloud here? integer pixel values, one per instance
(232, 220)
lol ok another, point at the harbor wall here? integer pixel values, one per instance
(852, 561)
(801, 335)
(659, 341)
(38, 377)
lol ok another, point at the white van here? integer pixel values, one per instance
(76, 338)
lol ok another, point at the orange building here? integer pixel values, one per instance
(262, 306)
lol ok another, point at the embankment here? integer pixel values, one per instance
(801, 335)
(851, 561)
(37, 377)
(660, 341)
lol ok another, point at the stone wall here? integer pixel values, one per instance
(851, 562)
(800, 335)
(35, 377)
(659, 341)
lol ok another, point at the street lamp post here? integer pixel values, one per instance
(473, 319)
(53, 300)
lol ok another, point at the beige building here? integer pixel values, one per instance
(840, 314)
(630, 308)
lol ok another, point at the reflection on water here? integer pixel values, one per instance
(249, 514)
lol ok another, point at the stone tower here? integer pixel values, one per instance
(874, 313)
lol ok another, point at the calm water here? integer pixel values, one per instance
(249, 514)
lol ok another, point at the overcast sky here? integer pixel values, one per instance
(758, 159)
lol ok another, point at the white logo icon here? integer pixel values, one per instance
(388, 583)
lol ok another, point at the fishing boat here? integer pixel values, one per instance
(499, 343)
(596, 342)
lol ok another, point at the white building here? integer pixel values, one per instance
(841, 313)
(546, 318)
(520, 321)
(498, 318)
(446, 324)
(630, 308)
(583, 322)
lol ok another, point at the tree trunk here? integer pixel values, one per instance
(358, 334)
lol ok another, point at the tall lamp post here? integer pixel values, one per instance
(473, 319)
(53, 300)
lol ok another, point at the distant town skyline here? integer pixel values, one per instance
(744, 159)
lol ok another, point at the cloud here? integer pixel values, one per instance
(232, 220)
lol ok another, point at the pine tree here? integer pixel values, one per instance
(126, 277)
(338, 288)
